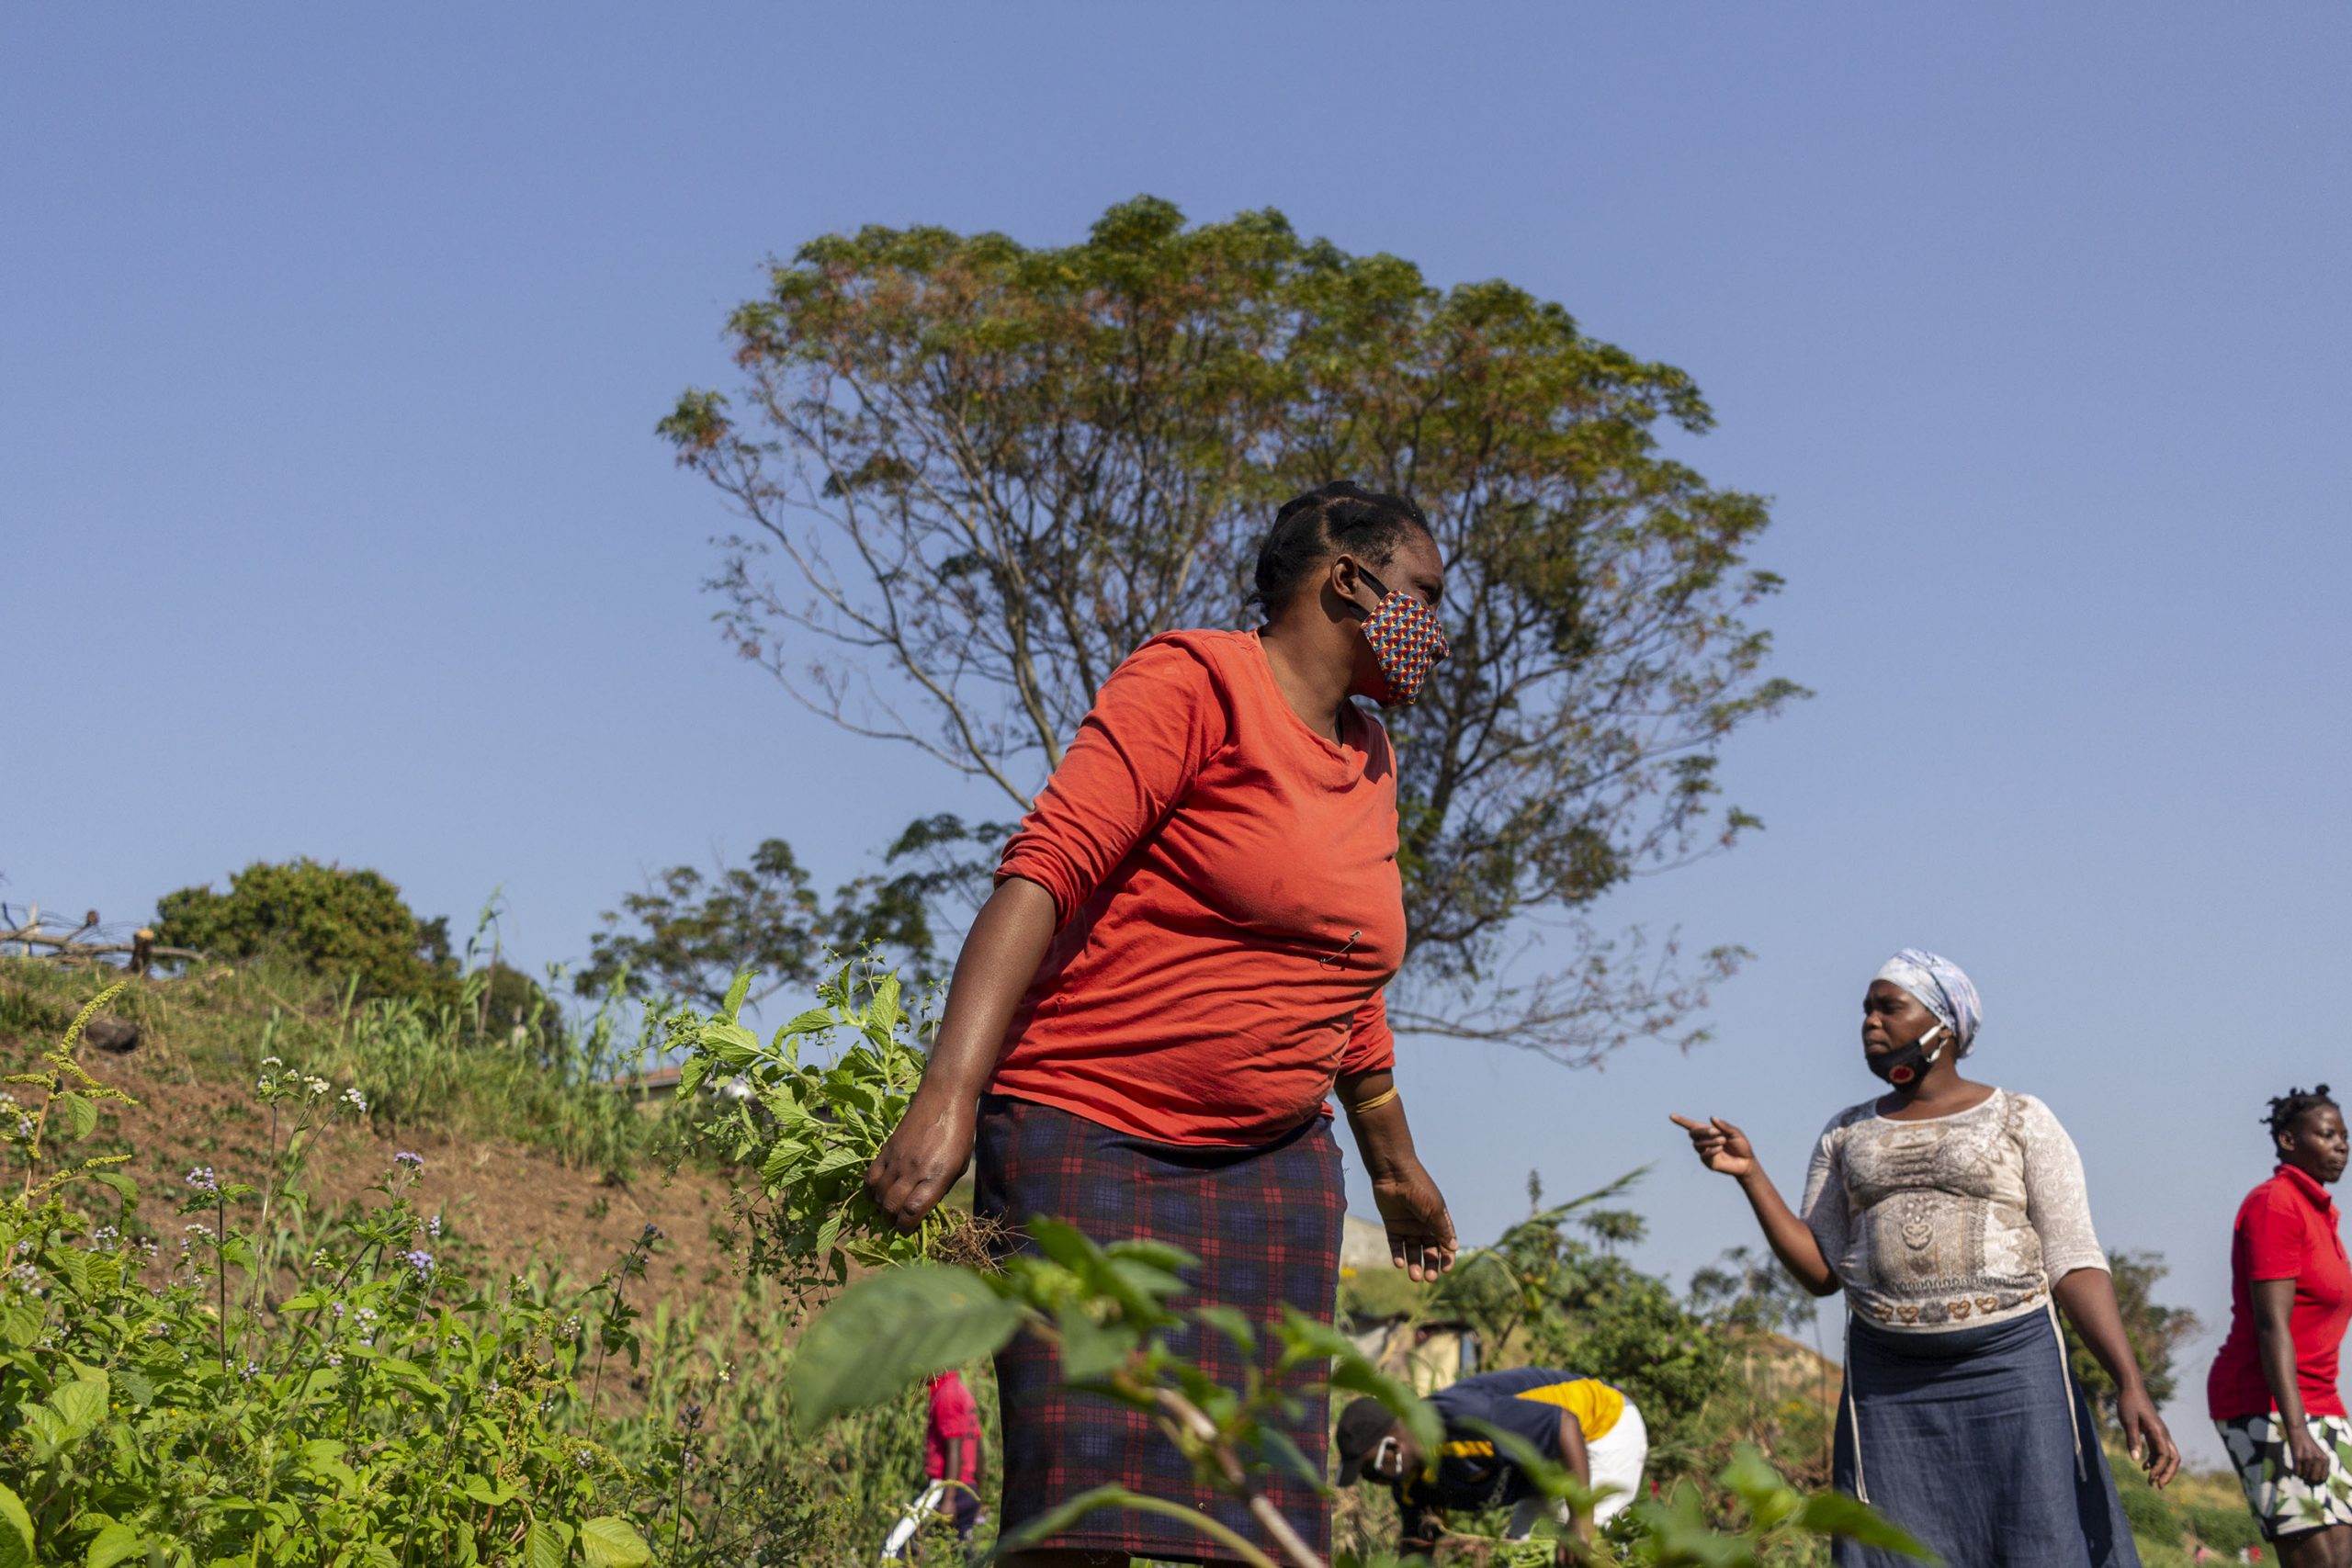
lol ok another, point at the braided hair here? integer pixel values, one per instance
(2290, 1107)
(1332, 519)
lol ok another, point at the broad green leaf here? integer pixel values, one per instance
(72, 1266)
(783, 1156)
(80, 1114)
(884, 1332)
(885, 1011)
(847, 1158)
(1065, 1244)
(116, 1543)
(542, 1547)
(830, 1233)
(1681, 1534)
(808, 1023)
(135, 1385)
(1834, 1513)
(1091, 1351)
(16, 1531)
(121, 1186)
(80, 1404)
(740, 988)
(1141, 1280)
(487, 1489)
(1769, 1500)
(1157, 1255)
(20, 1322)
(732, 1043)
(1231, 1322)
(609, 1542)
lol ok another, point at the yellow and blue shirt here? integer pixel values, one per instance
(1524, 1401)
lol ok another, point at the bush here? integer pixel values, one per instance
(2222, 1528)
(513, 1007)
(2147, 1510)
(350, 924)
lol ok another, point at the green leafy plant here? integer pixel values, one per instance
(815, 1103)
(1109, 1310)
(365, 1405)
(67, 1112)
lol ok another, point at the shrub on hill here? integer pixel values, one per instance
(333, 920)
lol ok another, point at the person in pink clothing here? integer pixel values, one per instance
(951, 1450)
(951, 1458)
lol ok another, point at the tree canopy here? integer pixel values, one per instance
(687, 935)
(345, 921)
(974, 475)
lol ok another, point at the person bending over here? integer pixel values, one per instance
(1579, 1422)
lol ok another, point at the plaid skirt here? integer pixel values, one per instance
(1264, 1222)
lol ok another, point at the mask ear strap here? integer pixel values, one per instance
(1937, 1054)
(1379, 591)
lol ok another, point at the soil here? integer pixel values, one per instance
(505, 1207)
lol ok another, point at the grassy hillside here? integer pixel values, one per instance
(530, 1162)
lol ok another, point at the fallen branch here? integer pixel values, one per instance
(141, 949)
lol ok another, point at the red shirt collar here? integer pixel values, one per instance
(2308, 1185)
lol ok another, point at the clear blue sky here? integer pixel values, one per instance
(332, 521)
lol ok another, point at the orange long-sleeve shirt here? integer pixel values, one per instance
(1226, 887)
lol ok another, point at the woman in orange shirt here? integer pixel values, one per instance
(1185, 952)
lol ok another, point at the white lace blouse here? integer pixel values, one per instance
(1953, 1222)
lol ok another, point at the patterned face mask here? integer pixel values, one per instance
(1406, 639)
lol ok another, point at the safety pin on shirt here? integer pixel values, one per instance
(1335, 957)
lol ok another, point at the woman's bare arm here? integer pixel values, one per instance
(1724, 1149)
(2274, 1311)
(926, 1155)
(2088, 1296)
(1421, 1231)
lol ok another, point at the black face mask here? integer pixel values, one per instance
(1906, 1064)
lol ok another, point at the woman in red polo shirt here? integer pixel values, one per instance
(2272, 1389)
(1186, 952)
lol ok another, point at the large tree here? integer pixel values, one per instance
(976, 475)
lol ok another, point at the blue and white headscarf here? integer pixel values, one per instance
(1942, 987)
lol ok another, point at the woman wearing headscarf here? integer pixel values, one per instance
(2272, 1390)
(1953, 1215)
(1185, 952)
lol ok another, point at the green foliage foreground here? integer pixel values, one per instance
(1108, 1309)
(183, 1400)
